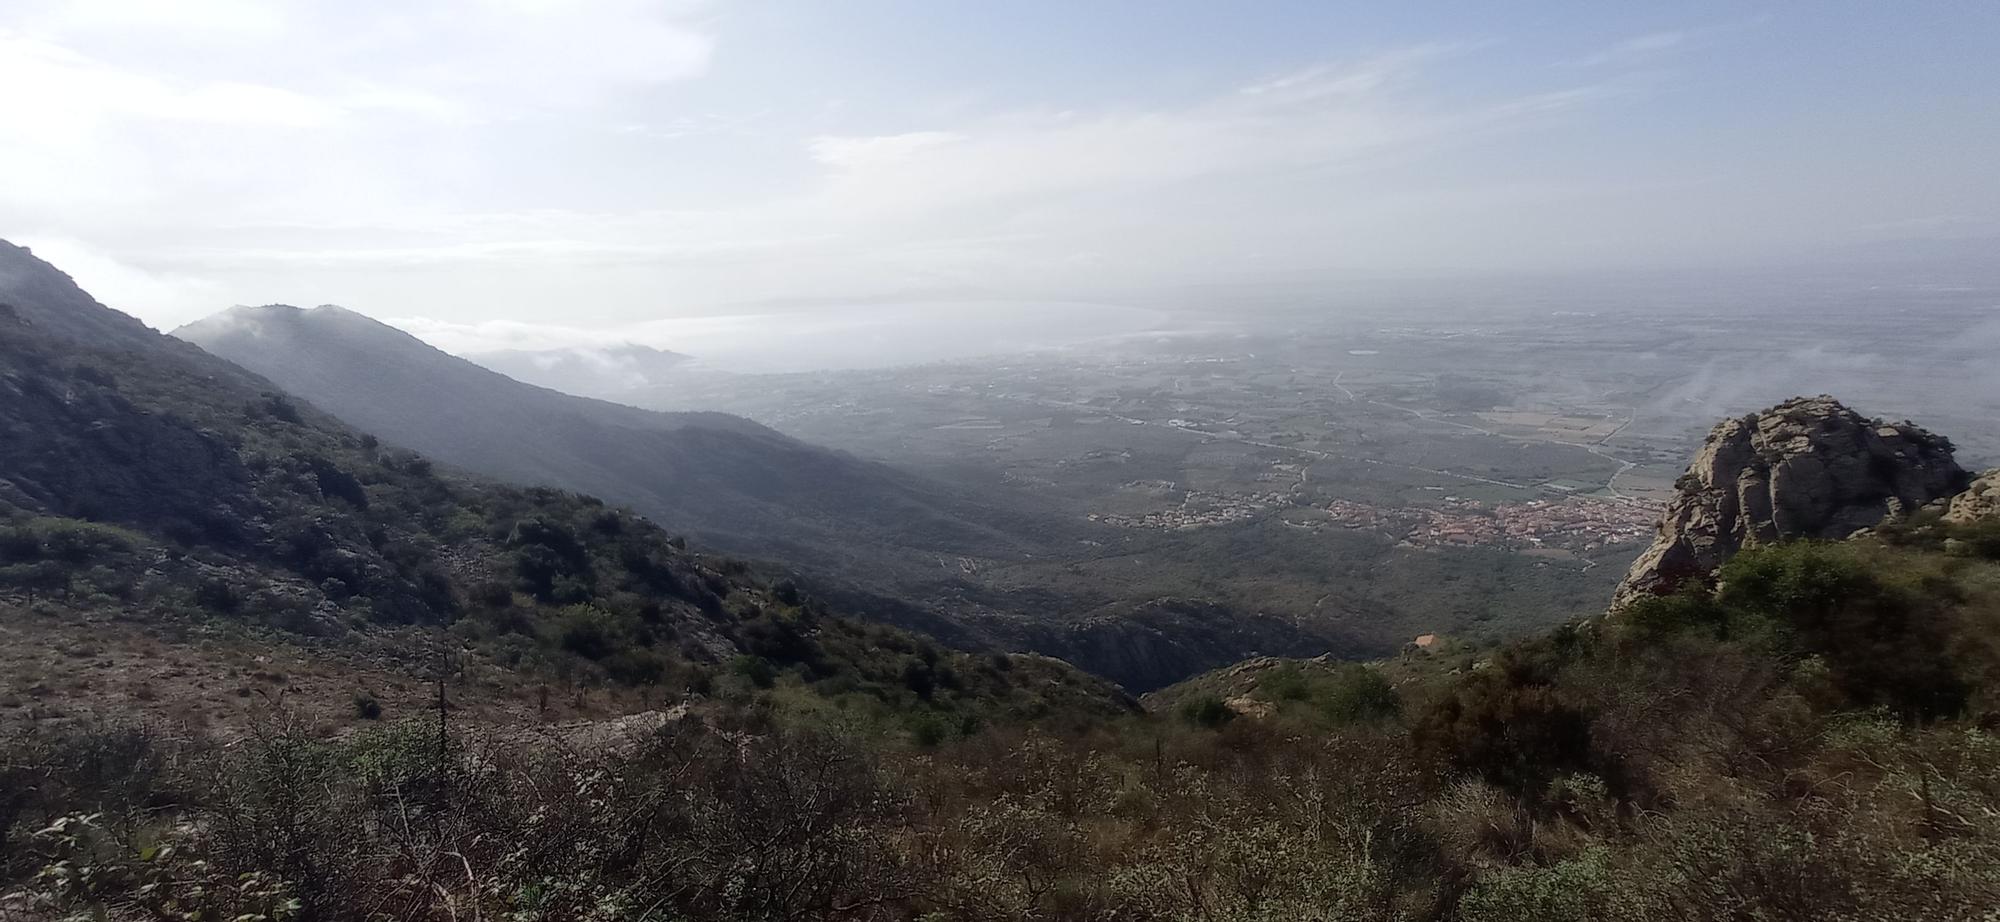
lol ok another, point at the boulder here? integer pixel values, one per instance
(1806, 468)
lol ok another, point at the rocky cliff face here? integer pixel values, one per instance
(1806, 468)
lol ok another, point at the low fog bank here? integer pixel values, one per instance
(826, 338)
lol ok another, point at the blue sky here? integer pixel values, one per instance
(524, 171)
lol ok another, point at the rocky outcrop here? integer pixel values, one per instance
(1980, 500)
(1806, 468)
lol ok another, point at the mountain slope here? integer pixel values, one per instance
(147, 481)
(722, 478)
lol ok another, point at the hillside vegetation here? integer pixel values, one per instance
(1814, 740)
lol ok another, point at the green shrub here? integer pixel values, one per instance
(1207, 711)
(920, 677)
(587, 632)
(1285, 682)
(1579, 889)
(218, 595)
(1883, 624)
(1358, 694)
(1794, 581)
(19, 542)
(930, 730)
(42, 577)
(1692, 610)
(635, 666)
(1507, 725)
(756, 669)
(1975, 539)
(366, 707)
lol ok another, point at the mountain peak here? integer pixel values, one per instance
(1809, 467)
(283, 313)
(326, 327)
(252, 314)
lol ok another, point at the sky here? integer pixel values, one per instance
(517, 173)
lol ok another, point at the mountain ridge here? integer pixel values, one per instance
(720, 477)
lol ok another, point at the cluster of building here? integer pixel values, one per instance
(1198, 511)
(1578, 524)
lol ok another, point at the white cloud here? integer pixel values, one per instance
(500, 53)
(489, 55)
(193, 20)
(1653, 46)
(881, 150)
(461, 338)
(138, 127)
(164, 299)
(1322, 119)
(55, 87)
(1634, 49)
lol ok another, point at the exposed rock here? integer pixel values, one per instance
(599, 738)
(1246, 706)
(1980, 500)
(1806, 468)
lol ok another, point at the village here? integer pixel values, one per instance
(1578, 524)
(1199, 510)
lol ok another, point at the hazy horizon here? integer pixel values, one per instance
(599, 170)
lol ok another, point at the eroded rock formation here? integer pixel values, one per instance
(1806, 468)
